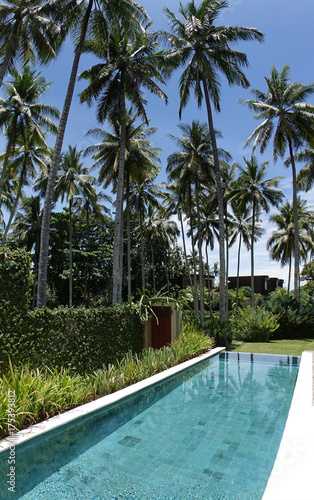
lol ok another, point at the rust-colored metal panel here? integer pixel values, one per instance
(161, 332)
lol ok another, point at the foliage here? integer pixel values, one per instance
(14, 278)
(296, 319)
(42, 393)
(147, 300)
(307, 272)
(92, 259)
(81, 339)
(253, 324)
(244, 297)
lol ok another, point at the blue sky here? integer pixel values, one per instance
(289, 39)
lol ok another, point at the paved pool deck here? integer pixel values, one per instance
(293, 471)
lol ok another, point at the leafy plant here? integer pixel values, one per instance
(253, 324)
(42, 393)
(296, 319)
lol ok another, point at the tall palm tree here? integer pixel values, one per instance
(73, 180)
(33, 152)
(131, 63)
(26, 229)
(192, 166)
(289, 120)
(243, 231)
(257, 192)
(281, 242)
(9, 191)
(305, 177)
(89, 204)
(143, 193)
(27, 28)
(173, 203)
(204, 48)
(159, 230)
(101, 16)
(22, 113)
(140, 160)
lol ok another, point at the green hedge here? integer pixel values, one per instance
(78, 338)
(15, 280)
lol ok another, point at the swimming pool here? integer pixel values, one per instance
(210, 433)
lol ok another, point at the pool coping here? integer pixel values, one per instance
(83, 410)
(292, 474)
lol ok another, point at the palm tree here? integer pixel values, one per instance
(9, 191)
(22, 114)
(281, 242)
(305, 177)
(243, 231)
(174, 205)
(26, 228)
(205, 50)
(143, 194)
(27, 27)
(104, 15)
(192, 166)
(159, 230)
(140, 160)
(130, 64)
(73, 180)
(257, 192)
(33, 152)
(85, 205)
(289, 119)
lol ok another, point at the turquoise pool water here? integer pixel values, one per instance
(211, 433)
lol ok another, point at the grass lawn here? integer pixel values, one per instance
(290, 346)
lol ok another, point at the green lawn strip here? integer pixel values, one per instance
(293, 347)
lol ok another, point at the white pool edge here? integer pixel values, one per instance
(71, 415)
(292, 474)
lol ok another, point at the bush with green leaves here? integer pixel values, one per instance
(296, 319)
(15, 280)
(45, 392)
(77, 338)
(253, 324)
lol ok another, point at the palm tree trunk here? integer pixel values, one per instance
(44, 244)
(289, 275)
(199, 240)
(238, 271)
(295, 226)
(128, 229)
(223, 302)
(7, 155)
(208, 285)
(252, 255)
(118, 226)
(70, 255)
(227, 248)
(153, 269)
(194, 289)
(13, 43)
(184, 250)
(16, 201)
(142, 250)
(87, 272)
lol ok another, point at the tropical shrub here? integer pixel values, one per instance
(15, 278)
(42, 393)
(253, 324)
(296, 319)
